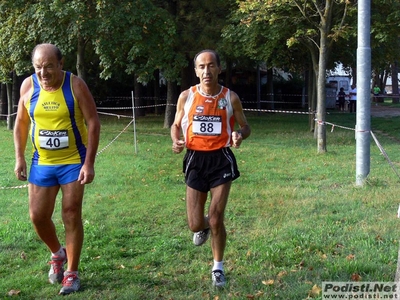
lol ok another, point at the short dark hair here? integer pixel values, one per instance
(208, 50)
(57, 51)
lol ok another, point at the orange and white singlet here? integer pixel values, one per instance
(208, 121)
(58, 131)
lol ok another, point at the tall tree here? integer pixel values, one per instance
(128, 37)
(385, 41)
(198, 26)
(313, 24)
(14, 50)
(142, 42)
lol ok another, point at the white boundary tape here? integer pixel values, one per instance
(280, 111)
(381, 149)
(98, 153)
(384, 154)
(14, 187)
(253, 110)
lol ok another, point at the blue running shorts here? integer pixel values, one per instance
(54, 175)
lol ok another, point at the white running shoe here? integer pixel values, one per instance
(70, 284)
(200, 237)
(56, 273)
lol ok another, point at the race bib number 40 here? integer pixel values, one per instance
(53, 139)
(207, 125)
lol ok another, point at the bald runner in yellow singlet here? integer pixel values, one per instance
(57, 112)
(58, 131)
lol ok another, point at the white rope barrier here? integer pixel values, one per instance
(98, 153)
(14, 187)
(113, 140)
(252, 110)
(168, 104)
(279, 111)
(384, 153)
(380, 147)
(114, 115)
(131, 107)
(333, 125)
(13, 114)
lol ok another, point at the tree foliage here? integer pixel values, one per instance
(114, 39)
(280, 31)
(132, 36)
(15, 38)
(385, 38)
(136, 37)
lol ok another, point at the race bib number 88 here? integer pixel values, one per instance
(53, 139)
(207, 125)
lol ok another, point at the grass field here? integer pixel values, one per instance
(294, 218)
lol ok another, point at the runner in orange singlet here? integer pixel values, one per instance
(206, 116)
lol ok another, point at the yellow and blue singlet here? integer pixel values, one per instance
(58, 131)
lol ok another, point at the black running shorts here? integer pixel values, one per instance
(207, 169)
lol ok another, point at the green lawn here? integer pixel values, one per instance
(295, 218)
(387, 101)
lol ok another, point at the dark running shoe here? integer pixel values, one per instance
(218, 278)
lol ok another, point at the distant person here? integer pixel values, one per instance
(353, 99)
(376, 91)
(341, 99)
(206, 115)
(57, 112)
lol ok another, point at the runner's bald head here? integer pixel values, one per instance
(48, 47)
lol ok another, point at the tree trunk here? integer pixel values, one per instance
(385, 76)
(321, 92)
(228, 74)
(375, 78)
(80, 59)
(139, 99)
(10, 123)
(314, 82)
(12, 96)
(395, 83)
(157, 92)
(187, 73)
(170, 110)
(312, 98)
(354, 75)
(270, 88)
(3, 101)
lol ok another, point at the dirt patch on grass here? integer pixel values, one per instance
(384, 111)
